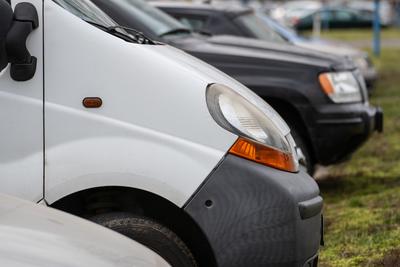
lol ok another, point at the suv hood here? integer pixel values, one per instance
(257, 49)
(332, 47)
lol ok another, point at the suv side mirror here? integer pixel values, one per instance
(6, 18)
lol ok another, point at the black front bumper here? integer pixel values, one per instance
(342, 129)
(255, 216)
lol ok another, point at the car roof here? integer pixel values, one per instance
(231, 9)
(338, 8)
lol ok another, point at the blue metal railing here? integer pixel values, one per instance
(377, 29)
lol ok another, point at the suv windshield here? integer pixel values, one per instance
(157, 21)
(260, 30)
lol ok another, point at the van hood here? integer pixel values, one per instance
(155, 113)
(197, 67)
(231, 46)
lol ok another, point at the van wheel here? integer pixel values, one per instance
(305, 159)
(151, 234)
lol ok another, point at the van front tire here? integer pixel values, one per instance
(151, 234)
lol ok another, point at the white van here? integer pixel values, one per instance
(36, 236)
(148, 141)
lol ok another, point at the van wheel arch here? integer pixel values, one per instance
(102, 200)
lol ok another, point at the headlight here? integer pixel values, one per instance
(341, 87)
(264, 136)
(361, 62)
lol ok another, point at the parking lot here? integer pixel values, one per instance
(235, 133)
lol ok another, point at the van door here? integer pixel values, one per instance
(21, 102)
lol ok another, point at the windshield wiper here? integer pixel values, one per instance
(136, 37)
(140, 37)
(202, 32)
(176, 31)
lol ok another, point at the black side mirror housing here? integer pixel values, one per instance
(6, 19)
(26, 20)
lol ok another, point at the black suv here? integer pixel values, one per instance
(322, 97)
(245, 22)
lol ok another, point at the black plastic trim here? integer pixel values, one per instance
(312, 262)
(6, 18)
(26, 20)
(342, 129)
(23, 71)
(379, 120)
(311, 208)
(250, 215)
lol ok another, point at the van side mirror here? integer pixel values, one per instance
(25, 20)
(6, 18)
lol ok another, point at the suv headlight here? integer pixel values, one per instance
(341, 87)
(264, 137)
(361, 62)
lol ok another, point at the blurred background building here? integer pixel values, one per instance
(285, 10)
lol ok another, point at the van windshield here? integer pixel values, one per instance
(156, 20)
(87, 11)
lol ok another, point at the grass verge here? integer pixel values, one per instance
(357, 34)
(362, 196)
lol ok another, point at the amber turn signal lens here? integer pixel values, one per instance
(263, 154)
(326, 84)
(92, 102)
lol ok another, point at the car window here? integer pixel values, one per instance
(326, 15)
(284, 31)
(343, 15)
(196, 23)
(258, 28)
(366, 14)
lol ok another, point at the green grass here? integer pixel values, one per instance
(358, 34)
(362, 196)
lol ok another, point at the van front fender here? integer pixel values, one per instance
(172, 169)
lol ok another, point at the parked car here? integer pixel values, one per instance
(245, 22)
(33, 235)
(146, 140)
(290, 78)
(292, 9)
(360, 58)
(234, 20)
(385, 9)
(334, 18)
